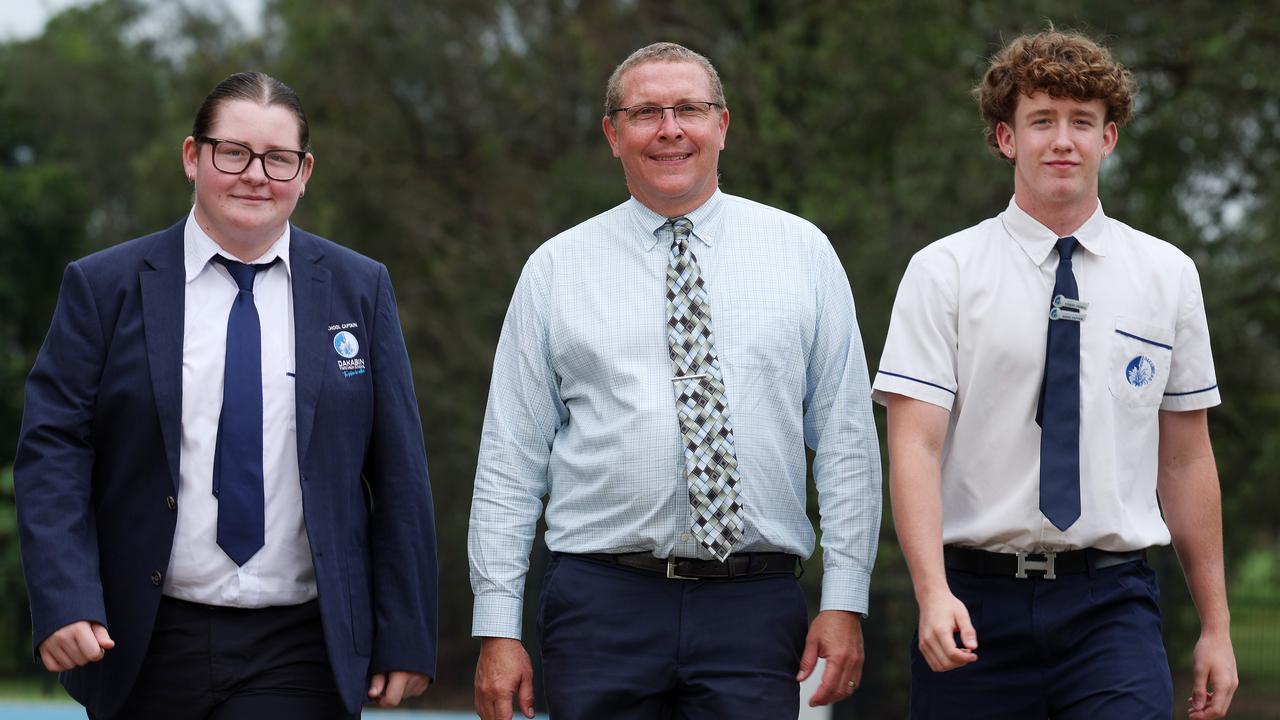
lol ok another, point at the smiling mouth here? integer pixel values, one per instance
(671, 158)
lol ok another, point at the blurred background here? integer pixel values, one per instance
(452, 137)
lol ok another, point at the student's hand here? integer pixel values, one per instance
(1215, 678)
(940, 620)
(75, 645)
(388, 689)
(837, 636)
(503, 670)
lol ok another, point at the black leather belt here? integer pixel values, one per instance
(1047, 565)
(742, 565)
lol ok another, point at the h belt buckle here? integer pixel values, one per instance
(671, 570)
(1045, 566)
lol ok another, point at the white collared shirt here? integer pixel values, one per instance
(281, 573)
(968, 334)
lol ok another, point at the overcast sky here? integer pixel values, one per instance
(25, 18)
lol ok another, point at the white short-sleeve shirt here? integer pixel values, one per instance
(968, 334)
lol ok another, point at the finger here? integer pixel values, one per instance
(1199, 690)
(500, 709)
(86, 645)
(51, 661)
(103, 637)
(829, 689)
(376, 684)
(968, 635)
(62, 660)
(417, 685)
(525, 693)
(808, 659)
(394, 691)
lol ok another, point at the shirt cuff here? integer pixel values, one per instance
(846, 589)
(497, 616)
(912, 387)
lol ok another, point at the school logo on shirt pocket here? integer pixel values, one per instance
(1140, 358)
(1140, 371)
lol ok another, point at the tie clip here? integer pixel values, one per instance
(1062, 301)
(1062, 313)
(689, 377)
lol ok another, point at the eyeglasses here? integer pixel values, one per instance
(685, 112)
(234, 158)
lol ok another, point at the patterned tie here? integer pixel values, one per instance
(237, 460)
(1059, 410)
(711, 466)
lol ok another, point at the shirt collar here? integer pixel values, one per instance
(199, 249)
(1037, 241)
(706, 219)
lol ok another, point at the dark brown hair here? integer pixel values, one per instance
(257, 88)
(1061, 64)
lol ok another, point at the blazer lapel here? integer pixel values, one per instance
(311, 317)
(163, 302)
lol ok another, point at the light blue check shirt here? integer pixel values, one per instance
(582, 409)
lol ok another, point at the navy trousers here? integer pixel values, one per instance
(1080, 647)
(623, 644)
(216, 663)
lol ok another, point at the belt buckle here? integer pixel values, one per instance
(1045, 566)
(671, 571)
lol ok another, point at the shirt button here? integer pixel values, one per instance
(684, 537)
(171, 502)
(156, 577)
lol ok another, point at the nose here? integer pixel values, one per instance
(256, 173)
(670, 128)
(1062, 138)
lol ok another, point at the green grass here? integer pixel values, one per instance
(32, 688)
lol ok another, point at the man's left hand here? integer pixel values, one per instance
(837, 636)
(1215, 678)
(388, 689)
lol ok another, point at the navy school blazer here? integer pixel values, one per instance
(96, 473)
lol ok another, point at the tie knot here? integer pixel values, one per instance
(242, 273)
(681, 227)
(1066, 246)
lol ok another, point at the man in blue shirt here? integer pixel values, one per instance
(661, 370)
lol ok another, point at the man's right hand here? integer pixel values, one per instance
(940, 620)
(503, 671)
(75, 645)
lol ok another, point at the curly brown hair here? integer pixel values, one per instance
(1062, 64)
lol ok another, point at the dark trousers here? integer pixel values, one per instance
(1081, 647)
(623, 644)
(216, 663)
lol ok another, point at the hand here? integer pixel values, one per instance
(940, 620)
(503, 671)
(837, 636)
(1215, 678)
(75, 645)
(388, 689)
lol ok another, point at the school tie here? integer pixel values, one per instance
(711, 465)
(237, 460)
(1059, 410)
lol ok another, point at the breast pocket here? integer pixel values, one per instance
(1139, 366)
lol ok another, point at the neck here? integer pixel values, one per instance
(1063, 219)
(245, 247)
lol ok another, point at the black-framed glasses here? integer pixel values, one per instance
(693, 111)
(234, 158)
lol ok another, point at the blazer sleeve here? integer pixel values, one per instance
(403, 538)
(53, 469)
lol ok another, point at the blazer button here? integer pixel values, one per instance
(172, 503)
(156, 577)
